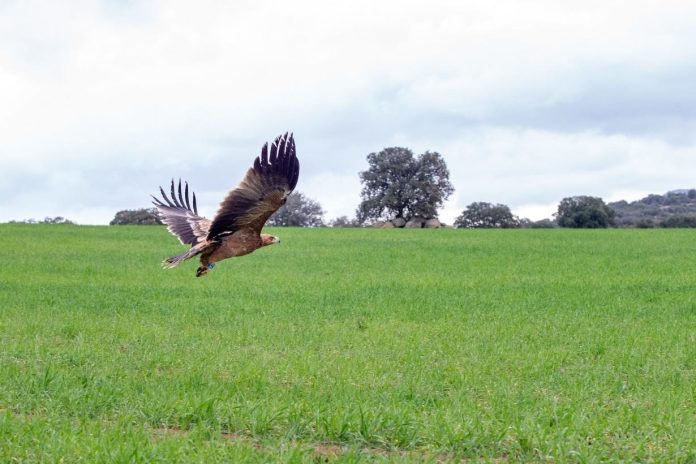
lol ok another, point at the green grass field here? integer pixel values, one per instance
(349, 345)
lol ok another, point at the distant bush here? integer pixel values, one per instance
(584, 212)
(647, 223)
(486, 215)
(540, 224)
(142, 216)
(685, 220)
(46, 220)
(298, 211)
(344, 221)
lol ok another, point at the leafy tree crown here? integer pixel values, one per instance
(298, 211)
(584, 212)
(397, 184)
(142, 216)
(487, 215)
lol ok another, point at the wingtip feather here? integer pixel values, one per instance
(181, 197)
(186, 195)
(176, 203)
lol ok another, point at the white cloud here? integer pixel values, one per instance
(101, 101)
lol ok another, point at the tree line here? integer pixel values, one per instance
(382, 205)
(400, 189)
(46, 220)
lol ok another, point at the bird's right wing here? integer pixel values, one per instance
(181, 219)
(264, 189)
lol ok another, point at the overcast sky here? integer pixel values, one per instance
(528, 101)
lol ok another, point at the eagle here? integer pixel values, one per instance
(236, 228)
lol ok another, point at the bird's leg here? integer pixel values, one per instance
(205, 267)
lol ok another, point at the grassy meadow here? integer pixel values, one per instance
(349, 345)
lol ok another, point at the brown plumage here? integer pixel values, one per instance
(236, 228)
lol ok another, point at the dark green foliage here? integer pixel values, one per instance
(46, 220)
(584, 212)
(487, 216)
(647, 223)
(139, 217)
(344, 221)
(399, 185)
(672, 209)
(540, 224)
(298, 211)
(679, 220)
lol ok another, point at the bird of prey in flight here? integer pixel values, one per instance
(236, 228)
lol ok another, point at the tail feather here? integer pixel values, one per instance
(174, 261)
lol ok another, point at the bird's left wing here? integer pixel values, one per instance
(182, 220)
(264, 189)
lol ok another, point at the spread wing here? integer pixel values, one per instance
(182, 220)
(264, 189)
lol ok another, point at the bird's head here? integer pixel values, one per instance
(267, 239)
